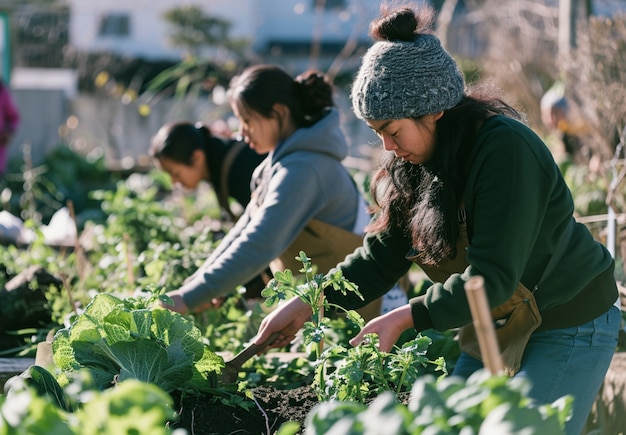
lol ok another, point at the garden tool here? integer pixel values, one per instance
(231, 370)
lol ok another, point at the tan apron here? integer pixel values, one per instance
(326, 245)
(515, 320)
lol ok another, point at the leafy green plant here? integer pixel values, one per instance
(135, 213)
(361, 372)
(116, 339)
(64, 175)
(347, 373)
(450, 405)
(284, 286)
(146, 240)
(130, 407)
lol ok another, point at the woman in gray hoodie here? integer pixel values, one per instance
(303, 198)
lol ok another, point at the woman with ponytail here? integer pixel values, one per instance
(303, 198)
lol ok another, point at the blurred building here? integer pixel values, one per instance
(284, 29)
(131, 41)
(60, 48)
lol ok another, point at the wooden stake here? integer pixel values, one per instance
(483, 324)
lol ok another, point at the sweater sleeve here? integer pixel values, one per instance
(374, 268)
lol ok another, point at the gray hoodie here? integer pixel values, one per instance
(301, 180)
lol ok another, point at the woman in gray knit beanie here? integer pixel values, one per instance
(467, 190)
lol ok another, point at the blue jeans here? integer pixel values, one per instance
(564, 361)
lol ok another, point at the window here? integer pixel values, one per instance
(330, 4)
(114, 24)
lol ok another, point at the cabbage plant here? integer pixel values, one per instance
(118, 339)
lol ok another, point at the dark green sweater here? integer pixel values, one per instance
(517, 206)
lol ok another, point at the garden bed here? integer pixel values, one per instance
(273, 408)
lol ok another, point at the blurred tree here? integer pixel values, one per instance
(40, 33)
(595, 78)
(521, 49)
(211, 57)
(196, 31)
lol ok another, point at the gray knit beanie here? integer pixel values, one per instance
(406, 79)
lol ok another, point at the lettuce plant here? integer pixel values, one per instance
(131, 407)
(118, 339)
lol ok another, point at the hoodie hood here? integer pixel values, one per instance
(324, 137)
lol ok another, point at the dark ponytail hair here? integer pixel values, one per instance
(259, 87)
(177, 141)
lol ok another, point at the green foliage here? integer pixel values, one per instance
(284, 286)
(362, 372)
(135, 213)
(451, 405)
(37, 193)
(355, 373)
(193, 30)
(113, 258)
(116, 339)
(283, 375)
(131, 407)
(197, 73)
(589, 190)
(44, 384)
(172, 262)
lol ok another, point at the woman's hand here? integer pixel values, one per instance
(287, 319)
(181, 307)
(179, 303)
(388, 327)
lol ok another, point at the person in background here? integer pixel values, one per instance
(9, 121)
(303, 198)
(561, 119)
(467, 190)
(190, 153)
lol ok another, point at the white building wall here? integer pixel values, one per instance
(258, 21)
(148, 33)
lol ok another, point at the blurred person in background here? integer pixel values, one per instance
(9, 121)
(191, 153)
(563, 121)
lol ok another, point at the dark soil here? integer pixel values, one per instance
(272, 408)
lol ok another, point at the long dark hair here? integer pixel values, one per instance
(259, 87)
(177, 141)
(424, 199)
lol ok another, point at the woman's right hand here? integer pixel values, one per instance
(287, 319)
